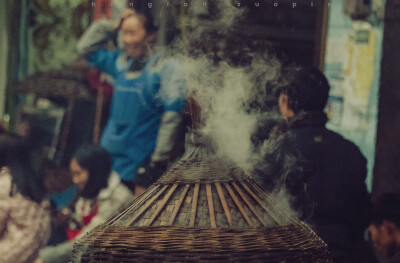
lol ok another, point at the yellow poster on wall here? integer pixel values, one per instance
(364, 65)
(361, 65)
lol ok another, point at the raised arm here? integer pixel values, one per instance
(92, 45)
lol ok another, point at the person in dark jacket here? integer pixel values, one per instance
(323, 172)
(384, 229)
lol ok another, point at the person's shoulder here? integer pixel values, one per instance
(121, 59)
(165, 64)
(286, 138)
(114, 188)
(112, 184)
(343, 145)
(4, 173)
(121, 189)
(341, 141)
(5, 182)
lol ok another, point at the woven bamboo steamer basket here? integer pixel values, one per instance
(204, 209)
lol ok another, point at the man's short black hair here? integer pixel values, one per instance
(387, 207)
(307, 88)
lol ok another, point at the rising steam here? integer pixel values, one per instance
(224, 91)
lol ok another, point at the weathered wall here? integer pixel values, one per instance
(352, 113)
(387, 159)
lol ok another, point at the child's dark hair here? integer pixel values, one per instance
(387, 207)
(98, 163)
(15, 153)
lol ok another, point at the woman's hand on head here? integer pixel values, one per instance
(125, 14)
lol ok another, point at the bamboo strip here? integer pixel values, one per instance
(131, 204)
(261, 203)
(211, 206)
(247, 201)
(144, 208)
(284, 213)
(163, 202)
(237, 202)
(224, 204)
(175, 212)
(194, 205)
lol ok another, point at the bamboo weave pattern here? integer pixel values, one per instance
(204, 209)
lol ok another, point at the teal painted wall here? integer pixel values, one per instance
(357, 124)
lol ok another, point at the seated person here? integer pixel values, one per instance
(384, 229)
(100, 195)
(24, 211)
(322, 171)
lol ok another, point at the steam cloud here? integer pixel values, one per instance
(224, 91)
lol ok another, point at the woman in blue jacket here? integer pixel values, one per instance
(148, 97)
